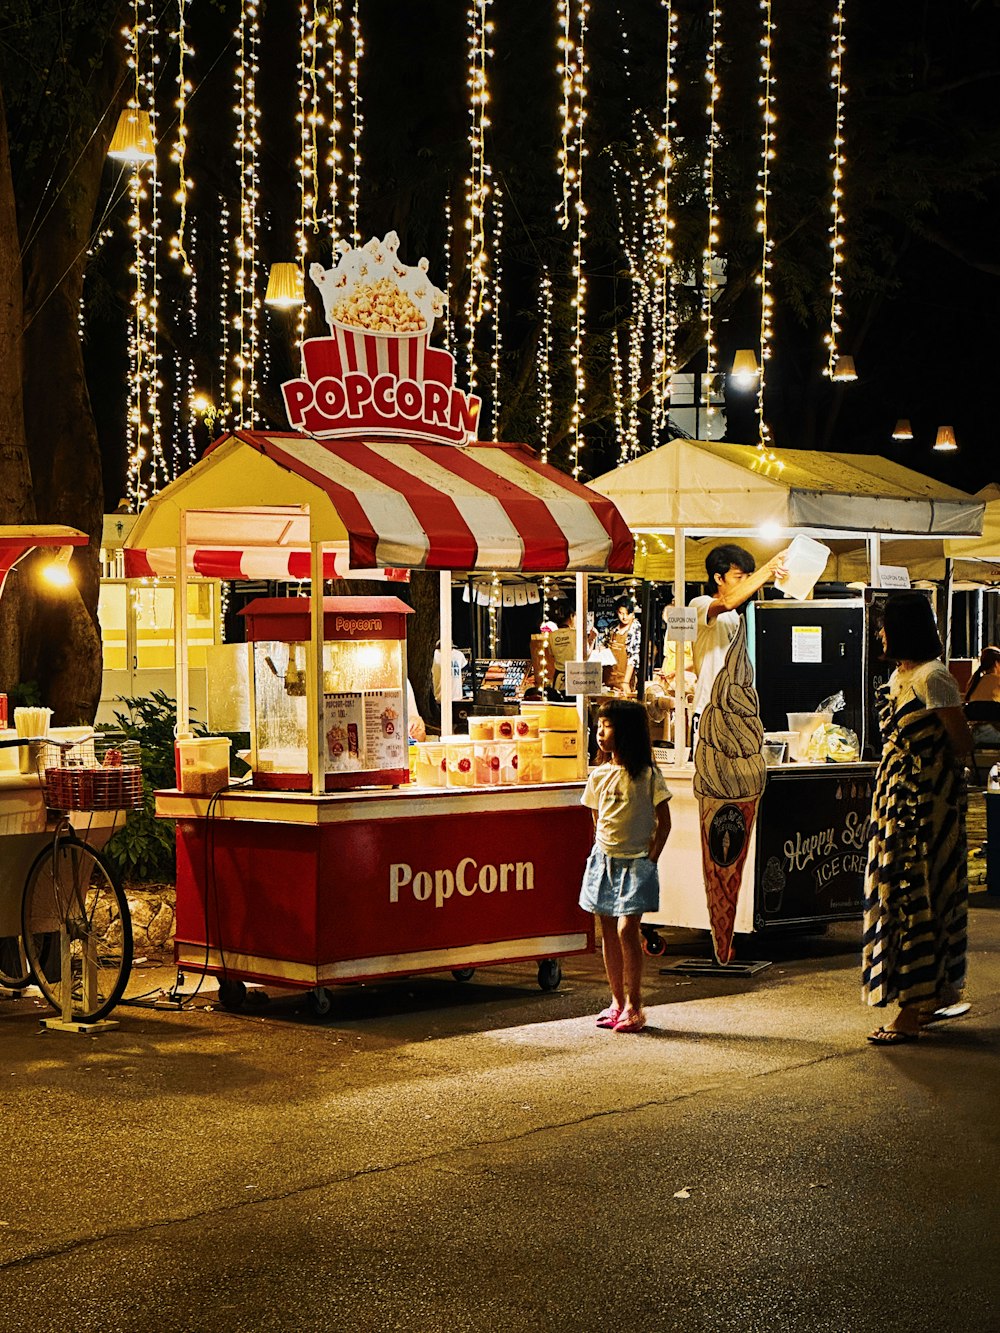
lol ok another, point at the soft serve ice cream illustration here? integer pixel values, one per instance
(729, 779)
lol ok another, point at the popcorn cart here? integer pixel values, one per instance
(329, 865)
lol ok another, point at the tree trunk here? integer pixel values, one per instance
(16, 505)
(62, 648)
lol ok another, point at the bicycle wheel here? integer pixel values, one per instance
(71, 885)
(14, 971)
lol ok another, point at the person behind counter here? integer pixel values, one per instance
(625, 641)
(984, 694)
(733, 578)
(916, 886)
(415, 723)
(562, 642)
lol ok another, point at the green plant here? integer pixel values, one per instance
(144, 847)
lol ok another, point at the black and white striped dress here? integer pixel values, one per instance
(916, 886)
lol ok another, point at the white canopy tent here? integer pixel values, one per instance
(702, 488)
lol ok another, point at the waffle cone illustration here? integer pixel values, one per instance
(729, 779)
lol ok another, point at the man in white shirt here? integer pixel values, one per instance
(734, 578)
(459, 662)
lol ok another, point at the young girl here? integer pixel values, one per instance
(631, 820)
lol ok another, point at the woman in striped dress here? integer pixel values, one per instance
(916, 887)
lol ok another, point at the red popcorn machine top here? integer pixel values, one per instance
(362, 696)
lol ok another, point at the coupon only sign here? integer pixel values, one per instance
(583, 677)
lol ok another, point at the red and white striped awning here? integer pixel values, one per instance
(251, 506)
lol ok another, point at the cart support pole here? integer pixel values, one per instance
(447, 693)
(580, 651)
(314, 675)
(946, 610)
(680, 706)
(181, 627)
(874, 560)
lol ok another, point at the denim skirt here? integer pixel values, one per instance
(619, 885)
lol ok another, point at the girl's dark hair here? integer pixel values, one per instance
(628, 603)
(632, 744)
(562, 613)
(910, 629)
(988, 659)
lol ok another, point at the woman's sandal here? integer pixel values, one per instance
(607, 1018)
(630, 1023)
(891, 1037)
(943, 1014)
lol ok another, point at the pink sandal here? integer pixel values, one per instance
(607, 1018)
(630, 1023)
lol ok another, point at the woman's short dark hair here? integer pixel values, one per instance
(721, 559)
(628, 603)
(911, 633)
(562, 613)
(631, 726)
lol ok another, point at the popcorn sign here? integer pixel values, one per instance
(378, 374)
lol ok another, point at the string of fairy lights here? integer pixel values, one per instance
(543, 365)
(766, 102)
(572, 16)
(330, 114)
(478, 184)
(495, 304)
(708, 281)
(663, 361)
(246, 320)
(837, 49)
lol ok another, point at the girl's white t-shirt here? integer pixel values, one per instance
(625, 808)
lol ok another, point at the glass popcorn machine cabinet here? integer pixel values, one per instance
(362, 697)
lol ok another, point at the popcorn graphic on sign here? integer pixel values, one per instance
(378, 374)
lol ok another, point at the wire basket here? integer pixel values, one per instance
(99, 773)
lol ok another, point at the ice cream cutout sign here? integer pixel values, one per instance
(378, 375)
(728, 781)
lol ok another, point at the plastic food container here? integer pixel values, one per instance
(503, 728)
(804, 563)
(525, 727)
(773, 752)
(460, 758)
(431, 764)
(202, 764)
(790, 739)
(558, 716)
(482, 728)
(507, 753)
(486, 764)
(555, 743)
(805, 724)
(529, 760)
(560, 769)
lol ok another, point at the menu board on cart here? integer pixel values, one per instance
(385, 741)
(364, 732)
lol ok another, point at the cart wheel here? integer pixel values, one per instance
(549, 973)
(653, 944)
(232, 994)
(463, 973)
(320, 1001)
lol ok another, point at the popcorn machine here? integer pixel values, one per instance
(362, 696)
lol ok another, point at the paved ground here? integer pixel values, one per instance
(444, 1157)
